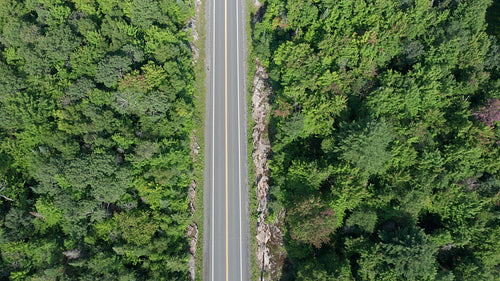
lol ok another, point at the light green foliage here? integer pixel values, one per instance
(144, 12)
(153, 74)
(95, 98)
(366, 146)
(161, 44)
(295, 61)
(137, 230)
(305, 177)
(52, 216)
(10, 9)
(377, 115)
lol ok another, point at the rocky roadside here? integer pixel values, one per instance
(270, 254)
(192, 229)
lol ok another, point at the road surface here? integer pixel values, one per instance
(226, 232)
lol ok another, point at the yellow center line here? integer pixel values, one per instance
(225, 122)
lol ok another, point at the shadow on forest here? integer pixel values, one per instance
(493, 19)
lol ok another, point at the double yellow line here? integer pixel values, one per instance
(225, 122)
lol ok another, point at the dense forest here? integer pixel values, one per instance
(385, 137)
(96, 113)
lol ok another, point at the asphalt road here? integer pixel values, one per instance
(227, 243)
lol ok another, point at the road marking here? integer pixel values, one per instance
(225, 122)
(239, 130)
(212, 230)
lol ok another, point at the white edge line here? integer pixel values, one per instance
(213, 142)
(239, 129)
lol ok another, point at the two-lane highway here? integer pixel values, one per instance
(226, 249)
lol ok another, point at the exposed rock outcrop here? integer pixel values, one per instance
(193, 27)
(262, 147)
(192, 234)
(192, 229)
(270, 253)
